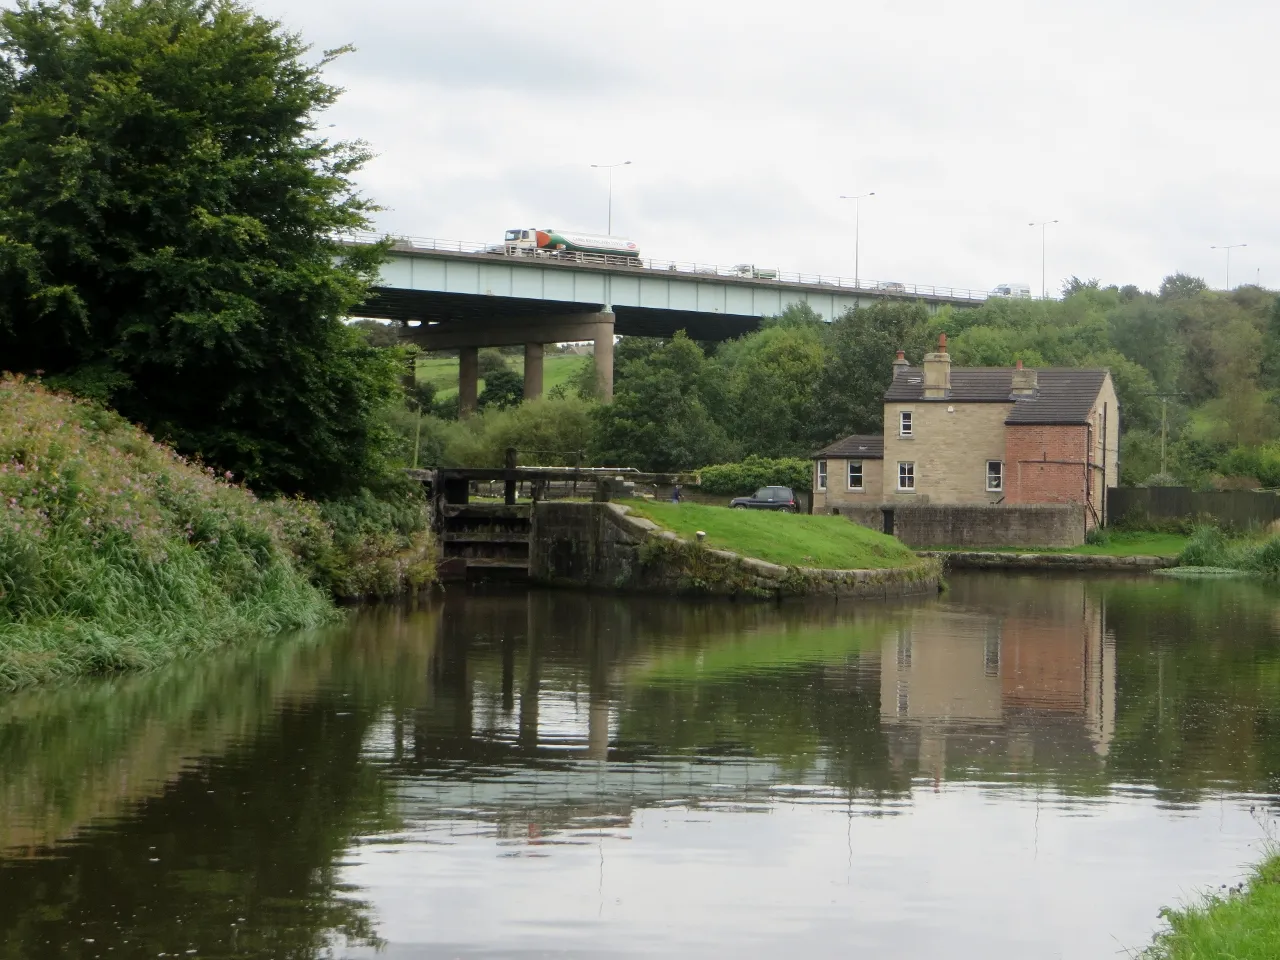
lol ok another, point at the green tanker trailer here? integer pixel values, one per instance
(524, 242)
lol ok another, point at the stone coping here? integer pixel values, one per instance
(1001, 560)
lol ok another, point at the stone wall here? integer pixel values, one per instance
(977, 525)
(600, 545)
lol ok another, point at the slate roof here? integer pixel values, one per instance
(856, 448)
(1064, 395)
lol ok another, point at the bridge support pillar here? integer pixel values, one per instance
(604, 356)
(532, 371)
(468, 380)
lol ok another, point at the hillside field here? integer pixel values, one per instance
(443, 371)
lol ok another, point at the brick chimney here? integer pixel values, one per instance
(937, 371)
(900, 364)
(1025, 382)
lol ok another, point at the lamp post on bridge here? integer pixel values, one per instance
(1044, 290)
(1229, 247)
(609, 167)
(857, 230)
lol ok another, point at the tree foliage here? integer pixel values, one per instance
(167, 214)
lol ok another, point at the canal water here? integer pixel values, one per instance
(1022, 768)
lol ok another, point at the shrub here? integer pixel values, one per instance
(740, 479)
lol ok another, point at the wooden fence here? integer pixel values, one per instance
(1243, 509)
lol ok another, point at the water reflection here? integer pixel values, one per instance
(511, 772)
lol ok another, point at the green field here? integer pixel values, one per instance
(443, 371)
(788, 539)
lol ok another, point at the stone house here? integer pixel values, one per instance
(984, 435)
(849, 473)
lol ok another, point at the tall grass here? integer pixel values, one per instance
(1211, 547)
(115, 553)
(1244, 924)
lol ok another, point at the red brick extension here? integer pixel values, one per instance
(1046, 464)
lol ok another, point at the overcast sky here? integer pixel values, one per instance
(1147, 127)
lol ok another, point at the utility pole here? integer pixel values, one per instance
(1164, 423)
(857, 230)
(1042, 224)
(1229, 247)
(609, 167)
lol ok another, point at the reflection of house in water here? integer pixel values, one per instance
(1034, 681)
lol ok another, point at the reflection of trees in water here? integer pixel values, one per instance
(499, 708)
(237, 857)
(236, 853)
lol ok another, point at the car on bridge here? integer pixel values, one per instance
(782, 499)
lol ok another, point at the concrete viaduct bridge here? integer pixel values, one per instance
(452, 295)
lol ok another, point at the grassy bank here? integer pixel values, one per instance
(1242, 925)
(1210, 547)
(1119, 544)
(787, 539)
(115, 553)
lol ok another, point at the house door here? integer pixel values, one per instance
(887, 514)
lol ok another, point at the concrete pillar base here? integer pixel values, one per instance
(532, 371)
(468, 381)
(604, 356)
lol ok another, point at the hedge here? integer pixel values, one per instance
(740, 479)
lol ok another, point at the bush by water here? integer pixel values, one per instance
(116, 553)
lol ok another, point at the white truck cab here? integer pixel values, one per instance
(1016, 291)
(520, 241)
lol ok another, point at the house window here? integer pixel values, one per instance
(906, 476)
(904, 423)
(995, 476)
(855, 474)
(822, 474)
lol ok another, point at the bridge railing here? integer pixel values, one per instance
(738, 272)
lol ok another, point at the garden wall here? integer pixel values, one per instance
(976, 525)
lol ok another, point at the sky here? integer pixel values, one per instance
(1146, 128)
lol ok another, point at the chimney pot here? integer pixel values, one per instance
(937, 372)
(1019, 367)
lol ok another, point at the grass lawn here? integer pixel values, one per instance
(1243, 925)
(789, 539)
(443, 371)
(1139, 544)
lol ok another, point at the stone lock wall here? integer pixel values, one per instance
(599, 545)
(978, 525)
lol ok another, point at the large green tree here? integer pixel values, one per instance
(167, 222)
(659, 419)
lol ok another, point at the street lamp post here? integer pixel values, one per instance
(1229, 247)
(609, 167)
(1042, 224)
(857, 230)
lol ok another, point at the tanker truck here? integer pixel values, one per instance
(524, 242)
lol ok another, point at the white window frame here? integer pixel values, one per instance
(906, 424)
(822, 475)
(908, 474)
(848, 475)
(999, 486)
